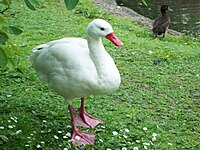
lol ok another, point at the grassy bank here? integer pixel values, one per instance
(157, 105)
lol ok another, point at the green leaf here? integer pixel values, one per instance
(35, 2)
(30, 6)
(11, 61)
(144, 2)
(1, 20)
(3, 38)
(13, 30)
(6, 2)
(14, 48)
(70, 4)
(3, 61)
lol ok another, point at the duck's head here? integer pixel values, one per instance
(100, 28)
(164, 8)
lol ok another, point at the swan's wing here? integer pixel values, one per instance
(66, 66)
(77, 41)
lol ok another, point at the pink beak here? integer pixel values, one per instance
(114, 39)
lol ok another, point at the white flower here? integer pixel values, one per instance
(124, 148)
(125, 136)
(38, 146)
(8, 95)
(27, 145)
(115, 132)
(59, 131)
(77, 138)
(2, 127)
(153, 138)
(154, 134)
(65, 148)
(49, 130)
(42, 142)
(14, 119)
(101, 140)
(18, 131)
(10, 127)
(56, 137)
(44, 121)
(137, 141)
(146, 144)
(127, 130)
(103, 127)
(145, 147)
(135, 148)
(29, 142)
(72, 140)
(145, 128)
(150, 51)
(68, 134)
(65, 137)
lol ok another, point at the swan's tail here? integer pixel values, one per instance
(36, 52)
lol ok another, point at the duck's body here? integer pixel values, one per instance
(75, 67)
(161, 24)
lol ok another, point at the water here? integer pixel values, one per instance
(184, 14)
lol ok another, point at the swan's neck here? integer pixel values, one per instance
(95, 45)
(98, 54)
(107, 72)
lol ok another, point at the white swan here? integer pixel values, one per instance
(76, 67)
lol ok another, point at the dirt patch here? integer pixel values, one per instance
(111, 7)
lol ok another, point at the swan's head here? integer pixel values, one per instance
(100, 28)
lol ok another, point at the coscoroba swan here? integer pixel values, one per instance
(76, 67)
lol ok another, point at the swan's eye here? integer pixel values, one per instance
(102, 29)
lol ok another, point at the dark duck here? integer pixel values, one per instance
(161, 23)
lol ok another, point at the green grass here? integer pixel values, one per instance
(160, 87)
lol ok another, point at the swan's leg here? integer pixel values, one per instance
(84, 119)
(79, 137)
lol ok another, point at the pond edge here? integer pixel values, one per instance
(112, 7)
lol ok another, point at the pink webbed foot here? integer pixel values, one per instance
(85, 120)
(82, 138)
(79, 137)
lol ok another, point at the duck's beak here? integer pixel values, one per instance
(114, 39)
(170, 9)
